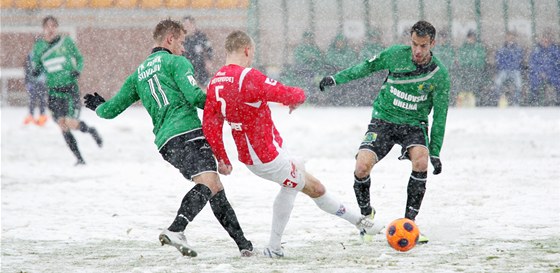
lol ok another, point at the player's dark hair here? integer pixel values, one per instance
(167, 26)
(50, 18)
(237, 40)
(423, 28)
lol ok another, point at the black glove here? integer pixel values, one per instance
(326, 81)
(92, 101)
(75, 73)
(436, 163)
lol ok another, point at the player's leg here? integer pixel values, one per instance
(281, 211)
(377, 142)
(196, 163)
(59, 105)
(417, 182)
(365, 160)
(330, 204)
(74, 122)
(31, 108)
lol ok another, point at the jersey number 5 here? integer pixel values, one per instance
(158, 96)
(220, 99)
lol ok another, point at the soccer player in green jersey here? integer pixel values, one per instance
(417, 83)
(165, 85)
(61, 61)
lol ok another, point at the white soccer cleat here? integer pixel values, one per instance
(178, 240)
(273, 253)
(249, 253)
(369, 226)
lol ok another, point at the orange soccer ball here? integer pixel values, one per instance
(402, 234)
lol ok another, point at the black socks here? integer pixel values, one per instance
(193, 202)
(226, 216)
(73, 145)
(361, 189)
(86, 129)
(416, 189)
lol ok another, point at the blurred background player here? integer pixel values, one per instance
(240, 95)
(417, 84)
(198, 49)
(165, 84)
(37, 90)
(61, 61)
(509, 62)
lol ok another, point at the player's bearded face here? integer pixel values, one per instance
(421, 46)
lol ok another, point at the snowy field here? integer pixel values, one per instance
(495, 207)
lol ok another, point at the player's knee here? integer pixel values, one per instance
(420, 164)
(362, 169)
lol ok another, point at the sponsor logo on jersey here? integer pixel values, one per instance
(270, 81)
(289, 183)
(424, 88)
(236, 126)
(191, 80)
(221, 79)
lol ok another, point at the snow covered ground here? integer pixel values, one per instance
(495, 207)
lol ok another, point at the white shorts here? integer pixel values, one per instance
(284, 170)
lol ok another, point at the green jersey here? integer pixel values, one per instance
(60, 59)
(166, 86)
(410, 91)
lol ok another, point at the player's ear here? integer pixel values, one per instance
(169, 38)
(246, 51)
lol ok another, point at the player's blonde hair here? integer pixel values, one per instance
(237, 40)
(164, 27)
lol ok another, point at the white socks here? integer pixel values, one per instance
(327, 203)
(282, 208)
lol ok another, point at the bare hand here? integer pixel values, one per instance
(224, 168)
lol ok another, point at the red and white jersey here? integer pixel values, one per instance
(239, 95)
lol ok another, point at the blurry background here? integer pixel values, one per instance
(115, 36)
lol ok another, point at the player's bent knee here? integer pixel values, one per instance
(210, 180)
(420, 165)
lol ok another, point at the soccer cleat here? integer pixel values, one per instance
(363, 235)
(369, 226)
(273, 253)
(422, 239)
(41, 120)
(248, 253)
(178, 240)
(80, 162)
(96, 136)
(28, 119)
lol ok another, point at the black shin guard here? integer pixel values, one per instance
(416, 190)
(193, 202)
(226, 216)
(361, 189)
(73, 145)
